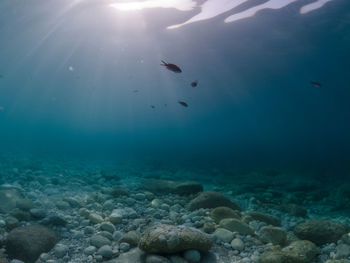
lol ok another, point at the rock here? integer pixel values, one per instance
(124, 247)
(268, 219)
(224, 235)
(57, 220)
(118, 191)
(167, 186)
(237, 244)
(24, 204)
(188, 188)
(210, 199)
(133, 256)
(320, 231)
(60, 250)
(140, 196)
(20, 214)
(235, 225)
(8, 199)
(95, 218)
(208, 227)
(223, 212)
(346, 238)
(294, 210)
(132, 238)
(337, 261)
(275, 256)
(192, 256)
(99, 241)
(342, 251)
(37, 213)
(62, 205)
(108, 227)
(2, 258)
(90, 250)
(27, 243)
(156, 259)
(300, 251)
(171, 239)
(105, 251)
(177, 259)
(11, 222)
(159, 186)
(274, 235)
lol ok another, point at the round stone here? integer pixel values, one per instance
(105, 251)
(171, 239)
(192, 256)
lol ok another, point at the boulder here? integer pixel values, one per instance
(235, 225)
(171, 239)
(27, 243)
(272, 234)
(320, 231)
(223, 212)
(266, 218)
(211, 199)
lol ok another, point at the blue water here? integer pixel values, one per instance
(69, 70)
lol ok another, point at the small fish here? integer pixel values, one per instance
(135, 90)
(152, 106)
(194, 83)
(316, 84)
(165, 105)
(171, 67)
(183, 103)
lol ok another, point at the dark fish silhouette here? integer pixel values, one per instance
(183, 103)
(316, 84)
(171, 67)
(194, 83)
(152, 106)
(136, 90)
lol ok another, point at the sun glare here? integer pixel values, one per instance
(183, 5)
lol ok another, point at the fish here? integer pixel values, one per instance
(316, 84)
(171, 67)
(183, 103)
(152, 106)
(194, 83)
(136, 90)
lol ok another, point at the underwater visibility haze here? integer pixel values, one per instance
(116, 114)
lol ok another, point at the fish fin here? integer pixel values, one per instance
(164, 63)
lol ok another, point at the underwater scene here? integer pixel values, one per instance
(175, 131)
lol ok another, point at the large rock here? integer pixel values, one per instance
(27, 243)
(188, 188)
(268, 219)
(133, 256)
(235, 225)
(272, 234)
(301, 251)
(167, 186)
(223, 212)
(171, 239)
(8, 199)
(320, 231)
(211, 199)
